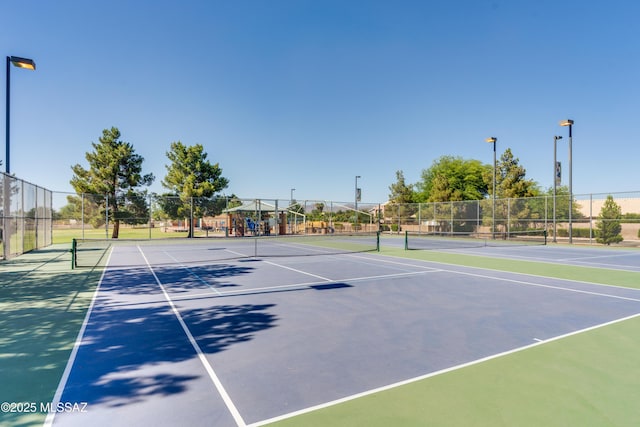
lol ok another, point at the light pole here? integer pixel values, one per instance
(357, 197)
(493, 140)
(29, 64)
(556, 178)
(291, 199)
(6, 204)
(569, 123)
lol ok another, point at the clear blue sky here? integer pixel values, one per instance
(308, 94)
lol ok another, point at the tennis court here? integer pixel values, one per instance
(207, 333)
(525, 246)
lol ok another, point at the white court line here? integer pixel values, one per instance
(599, 256)
(602, 266)
(74, 352)
(299, 271)
(562, 288)
(238, 253)
(203, 359)
(405, 264)
(302, 285)
(521, 274)
(432, 374)
(182, 265)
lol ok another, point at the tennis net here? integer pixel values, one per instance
(94, 252)
(455, 240)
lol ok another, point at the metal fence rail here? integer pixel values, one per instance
(26, 216)
(522, 214)
(152, 216)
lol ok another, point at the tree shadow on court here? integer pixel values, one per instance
(131, 350)
(176, 279)
(42, 308)
(130, 354)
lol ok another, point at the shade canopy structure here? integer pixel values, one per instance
(247, 209)
(257, 206)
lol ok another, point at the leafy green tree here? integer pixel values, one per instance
(72, 210)
(83, 209)
(562, 204)
(608, 226)
(115, 170)
(453, 179)
(192, 179)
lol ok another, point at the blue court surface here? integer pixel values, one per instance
(173, 339)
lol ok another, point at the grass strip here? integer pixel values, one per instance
(602, 276)
(588, 379)
(43, 304)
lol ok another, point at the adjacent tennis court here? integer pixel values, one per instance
(240, 332)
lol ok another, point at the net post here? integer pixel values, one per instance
(378, 241)
(406, 240)
(73, 253)
(545, 236)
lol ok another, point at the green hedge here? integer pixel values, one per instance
(576, 232)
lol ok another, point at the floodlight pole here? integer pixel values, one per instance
(493, 140)
(555, 182)
(20, 63)
(569, 123)
(7, 167)
(6, 199)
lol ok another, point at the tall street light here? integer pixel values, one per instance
(556, 179)
(28, 64)
(569, 123)
(493, 141)
(291, 199)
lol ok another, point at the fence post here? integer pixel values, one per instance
(590, 218)
(106, 216)
(508, 227)
(82, 214)
(150, 214)
(192, 226)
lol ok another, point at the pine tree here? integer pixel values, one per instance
(608, 227)
(115, 171)
(192, 179)
(401, 200)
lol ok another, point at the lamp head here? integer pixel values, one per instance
(567, 122)
(26, 63)
(493, 140)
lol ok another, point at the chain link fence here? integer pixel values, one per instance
(33, 217)
(26, 216)
(506, 216)
(149, 216)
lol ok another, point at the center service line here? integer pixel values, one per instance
(183, 265)
(299, 271)
(207, 366)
